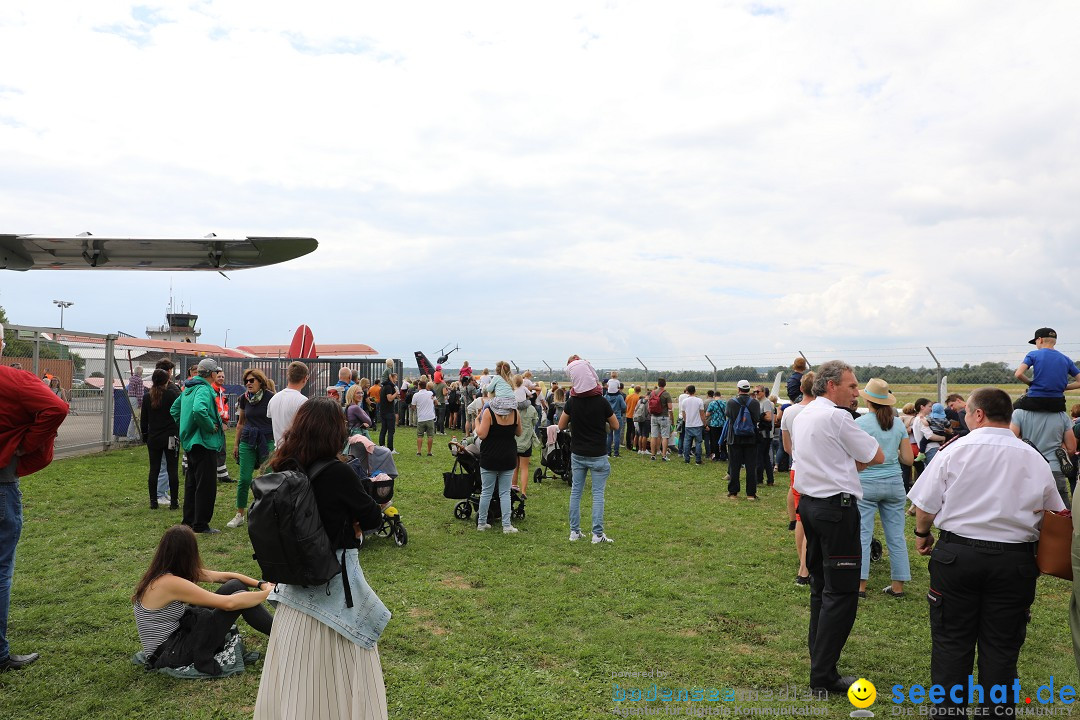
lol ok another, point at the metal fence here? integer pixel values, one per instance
(89, 426)
(100, 418)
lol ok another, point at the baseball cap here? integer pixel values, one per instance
(1043, 333)
(743, 385)
(208, 365)
(937, 410)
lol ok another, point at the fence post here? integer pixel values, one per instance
(551, 373)
(939, 371)
(713, 373)
(107, 392)
(646, 371)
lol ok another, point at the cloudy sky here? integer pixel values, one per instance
(616, 179)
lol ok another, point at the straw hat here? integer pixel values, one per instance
(877, 391)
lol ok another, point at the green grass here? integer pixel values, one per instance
(485, 625)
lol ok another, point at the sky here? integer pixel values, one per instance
(621, 180)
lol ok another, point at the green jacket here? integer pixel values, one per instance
(196, 413)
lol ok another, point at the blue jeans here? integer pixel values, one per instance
(163, 481)
(489, 478)
(10, 529)
(692, 434)
(614, 437)
(600, 468)
(886, 497)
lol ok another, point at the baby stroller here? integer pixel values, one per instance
(555, 459)
(463, 483)
(368, 465)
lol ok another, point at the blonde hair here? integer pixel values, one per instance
(352, 392)
(518, 380)
(502, 368)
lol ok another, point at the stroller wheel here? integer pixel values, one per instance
(538, 476)
(875, 549)
(386, 530)
(519, 511)
(462, 510)
(400, 536)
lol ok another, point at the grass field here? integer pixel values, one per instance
(696, 587)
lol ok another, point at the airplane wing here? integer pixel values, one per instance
(82, 252)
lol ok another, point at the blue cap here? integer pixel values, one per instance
(937, 411)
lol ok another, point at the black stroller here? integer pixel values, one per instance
(463, 483)
(369, 464)
(555, 459)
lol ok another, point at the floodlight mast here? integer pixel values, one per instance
(62, 304)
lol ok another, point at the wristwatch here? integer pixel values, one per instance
(922, 535)
(260, 584)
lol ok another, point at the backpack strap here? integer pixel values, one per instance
(313, 472)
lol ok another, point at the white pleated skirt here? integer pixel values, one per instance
(313, 673)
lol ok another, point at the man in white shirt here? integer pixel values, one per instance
(283, 406)
(982, 572)
(424, 402)
(693, 410)
(830, 450)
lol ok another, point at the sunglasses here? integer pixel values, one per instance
(248, 381)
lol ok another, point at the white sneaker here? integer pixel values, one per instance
(236, 522)
(509, 530)
(601, 538)
(164, 500)
(575, 535)
(394, 452)
(483, 527)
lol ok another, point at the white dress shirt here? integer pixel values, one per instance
(826, 443)
(787, 421)
(988, 485)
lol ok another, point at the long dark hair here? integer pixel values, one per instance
(885, 414)
(317, 432)
(177, 553)
(161, 380)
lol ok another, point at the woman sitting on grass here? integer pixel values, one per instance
(322, 660)
(180, 623)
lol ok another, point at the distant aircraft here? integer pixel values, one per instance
(425, 366)
(86, 251)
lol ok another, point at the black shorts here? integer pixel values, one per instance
(526, 454)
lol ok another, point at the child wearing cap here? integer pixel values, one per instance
(1052, 373)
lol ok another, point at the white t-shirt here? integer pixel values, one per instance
(692, 407)
(988, 485)
(424, 402)
(282, 409)
(786, 421)
(679, 403)
(613, 386)
(826, 443)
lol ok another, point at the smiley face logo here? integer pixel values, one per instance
(862, 693)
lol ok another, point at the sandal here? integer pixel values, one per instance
(892, 593)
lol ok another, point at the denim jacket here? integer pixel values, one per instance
(363, 623)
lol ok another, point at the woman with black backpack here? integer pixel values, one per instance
(322, 660)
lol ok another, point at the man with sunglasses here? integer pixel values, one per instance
(202, 435)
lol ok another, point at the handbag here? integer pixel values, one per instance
(1054, 556)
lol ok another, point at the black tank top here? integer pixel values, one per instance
(498, 451)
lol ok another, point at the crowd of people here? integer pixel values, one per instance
(951, 461)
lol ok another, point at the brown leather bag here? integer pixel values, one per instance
(1054, 556)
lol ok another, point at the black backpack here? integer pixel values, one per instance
(287, 534)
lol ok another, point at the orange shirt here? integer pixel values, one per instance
(374, 392)
(631, 403)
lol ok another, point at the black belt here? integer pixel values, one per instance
(837, 499)
(951, 537)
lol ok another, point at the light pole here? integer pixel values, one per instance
(62, 304)
(227, 337)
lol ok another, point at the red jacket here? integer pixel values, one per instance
(30, 414)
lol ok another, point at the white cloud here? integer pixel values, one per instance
(606, 178)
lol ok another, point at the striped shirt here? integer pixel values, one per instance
(155, 626)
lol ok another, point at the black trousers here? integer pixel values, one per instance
(979, 598)
(203, 633)
(738, 456)
(171, 457)
(440, 418)
(386, 432)
(763, 466)
(834, 559)
(630, 432)
(200, 487)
